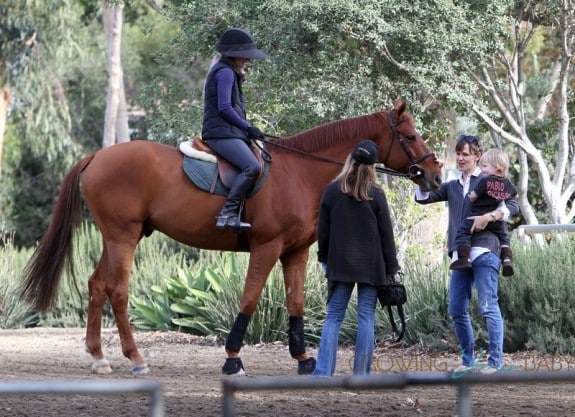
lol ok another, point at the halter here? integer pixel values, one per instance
(414, 169)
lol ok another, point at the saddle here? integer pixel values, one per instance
(210, 172)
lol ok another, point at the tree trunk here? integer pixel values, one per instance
(112, 16)
(4, 100)
(122, 127)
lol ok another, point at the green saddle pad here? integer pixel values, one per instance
(203, 174)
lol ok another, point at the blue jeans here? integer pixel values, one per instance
(484, 276)
(365, 339)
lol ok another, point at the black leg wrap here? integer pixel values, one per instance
(295, 336)
(238, 332)
(306, 367)
(233, 366)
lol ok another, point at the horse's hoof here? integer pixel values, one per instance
(140, 370)
(101, 366)
(306, 367)
(233, 367)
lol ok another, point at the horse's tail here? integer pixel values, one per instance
(41, 276)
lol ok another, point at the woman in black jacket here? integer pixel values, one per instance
(355, 245)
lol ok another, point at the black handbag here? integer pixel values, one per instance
(393, 293)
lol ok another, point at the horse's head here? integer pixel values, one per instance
(406, 151)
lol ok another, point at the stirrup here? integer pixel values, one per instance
(231, 222)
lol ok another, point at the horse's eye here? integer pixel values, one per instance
(411, 138)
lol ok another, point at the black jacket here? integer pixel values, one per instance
(355, 238)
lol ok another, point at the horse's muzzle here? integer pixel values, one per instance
(429, 185)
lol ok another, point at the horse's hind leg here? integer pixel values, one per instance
(111, 281)
(97, 299)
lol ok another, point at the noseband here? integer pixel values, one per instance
(414, 169)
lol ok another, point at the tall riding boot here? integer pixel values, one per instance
(507, 261)
(463, 261)
(228, 218)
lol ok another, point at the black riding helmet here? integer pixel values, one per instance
(238, 43)
(366, 152)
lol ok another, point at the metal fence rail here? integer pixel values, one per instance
(389, 381)
(154, 389)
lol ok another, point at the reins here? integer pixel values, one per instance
(307, 154)
(413, 172)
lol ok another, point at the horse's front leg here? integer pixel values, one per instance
(260, 265)
(294, 269)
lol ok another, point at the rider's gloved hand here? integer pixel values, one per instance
(255, 133)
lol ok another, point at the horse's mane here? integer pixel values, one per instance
(331, 133)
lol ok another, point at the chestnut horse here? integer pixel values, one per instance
(134, 188)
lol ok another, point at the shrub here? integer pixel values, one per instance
(176, 288)
(13, 313)
(536, 302)
(157, 258)
(204, 300)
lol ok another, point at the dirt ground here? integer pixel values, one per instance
(189, 370)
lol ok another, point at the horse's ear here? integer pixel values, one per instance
(399, 106)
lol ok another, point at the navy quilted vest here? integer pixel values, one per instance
(215, 127)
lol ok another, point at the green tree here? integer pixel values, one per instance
(510, 64)
(35, 38)
(506, 63)
(58, 96)
(319, 68)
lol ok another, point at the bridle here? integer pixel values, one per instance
(414, 170)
